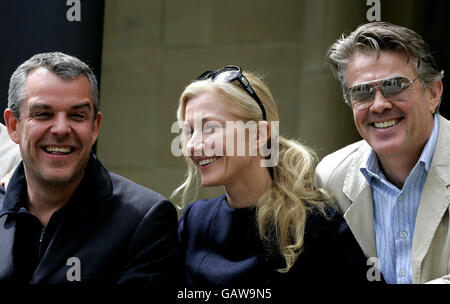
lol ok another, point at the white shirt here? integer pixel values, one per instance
(9, 152)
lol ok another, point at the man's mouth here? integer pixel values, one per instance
(58, 150)
(386, 124)
(207, 161)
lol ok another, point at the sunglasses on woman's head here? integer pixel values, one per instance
(231, 73)
(361, 96)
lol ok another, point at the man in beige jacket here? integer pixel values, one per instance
(9, 152)
(393, 187)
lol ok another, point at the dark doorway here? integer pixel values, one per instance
(28, 27)
(433, 22)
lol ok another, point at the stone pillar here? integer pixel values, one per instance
(325, 122)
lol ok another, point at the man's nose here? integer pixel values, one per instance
(380, 103)
(61, 126)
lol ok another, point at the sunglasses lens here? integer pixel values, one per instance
(394, 85)
(361, 93)
(227, 75)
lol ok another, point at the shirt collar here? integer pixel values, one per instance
(372, 167)
(427, 154)
(15, 197)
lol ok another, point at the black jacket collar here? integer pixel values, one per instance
(96, 183)
(90, 202)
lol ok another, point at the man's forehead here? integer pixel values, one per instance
(375, 56)
(368, 65)
(43, 73)
(43, 79)
(41, 70)
(45, 89)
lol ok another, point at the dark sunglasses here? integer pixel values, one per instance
(361, 95)
(231, 73)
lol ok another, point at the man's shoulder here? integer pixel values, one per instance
(341, 159)
(128, 192)
(444, 133)
(123, 184)
(331, 172)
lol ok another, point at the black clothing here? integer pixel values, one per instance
(119, 231)
(221, 246)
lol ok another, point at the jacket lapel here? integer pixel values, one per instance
(86, 209)
(7, 232)
(73, 229)
(434, 201)
(9, 205)
(359, 215)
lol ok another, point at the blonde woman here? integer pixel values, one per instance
(272, 226)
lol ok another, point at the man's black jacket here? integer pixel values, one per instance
(112, 231)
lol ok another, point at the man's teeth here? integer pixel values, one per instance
(386, 124)
(207, 161)
(57, 149)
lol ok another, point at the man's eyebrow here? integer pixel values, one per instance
(81, 105)
(39, 106)
(43, 106)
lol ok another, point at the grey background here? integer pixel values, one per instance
(152, 49)
(147, 51)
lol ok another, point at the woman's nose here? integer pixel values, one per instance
(195, 144)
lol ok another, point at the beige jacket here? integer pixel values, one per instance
(9, 152)
(340, 174)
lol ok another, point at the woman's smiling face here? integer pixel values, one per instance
(207, 136)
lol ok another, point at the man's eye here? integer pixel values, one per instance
(41, 114)
(78, 115)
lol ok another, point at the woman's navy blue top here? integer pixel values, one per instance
(221, 246)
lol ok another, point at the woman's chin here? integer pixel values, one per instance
(210, 183)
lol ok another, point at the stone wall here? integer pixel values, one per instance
(152, 49)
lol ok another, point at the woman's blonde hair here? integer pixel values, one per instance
(282, 209)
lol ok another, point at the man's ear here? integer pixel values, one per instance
(96, 127)
(11, 122)
(435, 89)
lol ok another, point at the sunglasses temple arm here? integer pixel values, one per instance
(259, 104)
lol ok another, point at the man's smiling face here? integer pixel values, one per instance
(57, 128)
(396, 126)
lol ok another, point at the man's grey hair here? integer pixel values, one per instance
(382, 36)
(63, 65)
